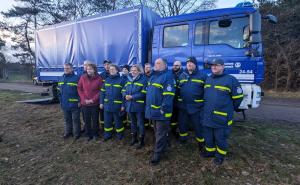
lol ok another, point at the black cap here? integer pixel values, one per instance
(126, 66)
(216, 61)
(107, 61)
(192, 59)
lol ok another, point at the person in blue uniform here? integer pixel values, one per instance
(70, 102)
(134, 93)
(125, 69)
(176, 71)
(190, 101)
(104, 74)
(111, 101)
(147, 74)
(159, 106)
(222, 96)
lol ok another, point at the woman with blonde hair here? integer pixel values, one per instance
(134, 93)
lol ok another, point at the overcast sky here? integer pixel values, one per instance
(6, 4)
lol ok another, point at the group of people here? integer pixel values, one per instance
(174, 101)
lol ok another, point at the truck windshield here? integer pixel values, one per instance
(231, 35)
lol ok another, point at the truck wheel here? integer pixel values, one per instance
(55, 93)
(35, 82)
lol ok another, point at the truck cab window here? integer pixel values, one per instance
(231, 34)
(176, 36)
(199, 34)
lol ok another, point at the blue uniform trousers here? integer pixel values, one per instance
(161, 129)
(72, 122)
(216, 140)
(185, 119)
(109, 118)
(137, 122)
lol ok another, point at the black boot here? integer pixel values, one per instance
(155, 159)
(66, 136)
(133, 139)
(201, 146)
(141, 142)
(174, 132)
(206, 154)
(218, 161)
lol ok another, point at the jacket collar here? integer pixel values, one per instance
(91, 77)
(178, 72)
(69, 75)
(114, 76)
(217, 76)
(160, 72)
(194, 72)
(130, 77)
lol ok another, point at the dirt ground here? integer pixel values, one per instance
(32, 151)
(25, 87)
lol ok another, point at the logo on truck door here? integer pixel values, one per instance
(237, 65)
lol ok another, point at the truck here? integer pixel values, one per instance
(138, 35)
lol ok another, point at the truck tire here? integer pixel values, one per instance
(55, 93)
(35, 82)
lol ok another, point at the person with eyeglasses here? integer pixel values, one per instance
(134, 93)
(223, 95)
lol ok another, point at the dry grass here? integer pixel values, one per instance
(32, 152)
(282, 94)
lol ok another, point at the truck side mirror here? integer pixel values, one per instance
(255, 38)
(255, 28)
(255, 22)
(271, 18)
(246, 33)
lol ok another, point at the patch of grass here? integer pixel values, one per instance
(33, 152)
(271, 149)
(282, 94)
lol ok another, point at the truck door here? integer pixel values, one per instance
(198, 39)
(175, 42)
(225, 40)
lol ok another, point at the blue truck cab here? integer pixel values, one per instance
(220, 33)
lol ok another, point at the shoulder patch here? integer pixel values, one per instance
(239, 90)
(169, 88)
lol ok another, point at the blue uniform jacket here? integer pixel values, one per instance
(222, 94)
(137, 89)
(176, 78)
(104, 75)
(160, 94)
(67, 88)
(191, 91)
(111, 93)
